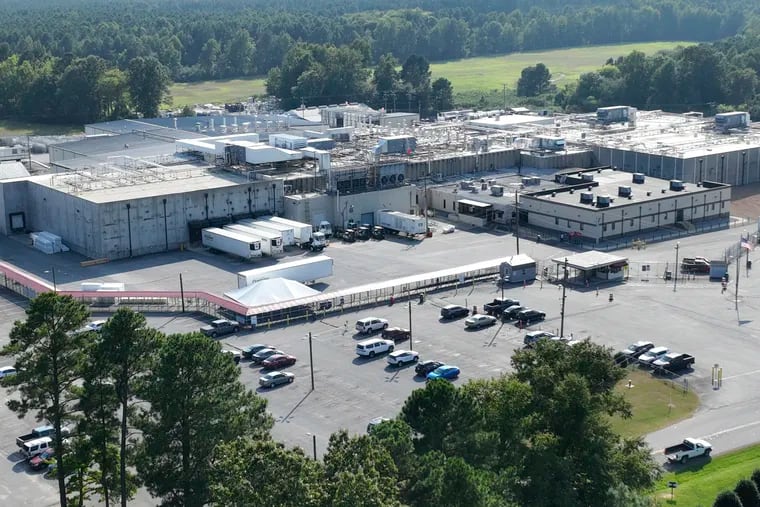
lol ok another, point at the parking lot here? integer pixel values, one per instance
(695, 318)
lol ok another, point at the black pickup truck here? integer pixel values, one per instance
(498, 305)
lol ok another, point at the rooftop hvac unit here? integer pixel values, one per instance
(484, 186)
(603, 201)
(676, 185)
(497, 190)
(527, 181)
(587, 177)
(535, 180)
(624, 191)
(638, 177)
(587, 197)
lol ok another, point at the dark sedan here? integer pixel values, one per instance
(250, 350)
(277, 361)
(454, 312)
(528, 317)
(511, 312)
(263, 354)
(425, 367)
(397, 334)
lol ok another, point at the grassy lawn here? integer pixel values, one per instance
(566, 65)
(656, 403)
(226, 90)
(23, 128)
(701, 480)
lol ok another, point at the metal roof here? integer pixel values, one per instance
(474, 203)
(593, 259)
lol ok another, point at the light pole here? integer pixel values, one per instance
(311, 367)
(52, 271)
(313, 444)
(562, 310)
(675, 269)
(410, 320)
(517, 222)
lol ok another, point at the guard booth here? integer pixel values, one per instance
(591, 266)
(518, 269)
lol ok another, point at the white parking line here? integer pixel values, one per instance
(745, 374)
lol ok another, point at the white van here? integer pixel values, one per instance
(533, 336)
(374, 346)
(34, 447)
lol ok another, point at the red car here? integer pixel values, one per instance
(278, 361)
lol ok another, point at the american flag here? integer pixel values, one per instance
(746, 244)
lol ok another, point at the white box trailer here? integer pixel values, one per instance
(304, 270)
(274, 238)
(287, 232)
(266, 244)
(231, 242)
(304, 235)
(395, 222)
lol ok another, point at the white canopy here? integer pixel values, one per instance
(271, 291)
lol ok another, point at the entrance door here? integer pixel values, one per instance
(368, 218)
(679, 215)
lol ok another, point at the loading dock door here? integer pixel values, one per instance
(368, 218)
(18, 221)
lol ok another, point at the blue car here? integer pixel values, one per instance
(446, 371)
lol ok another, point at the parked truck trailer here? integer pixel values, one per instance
(395, 222)
(304, 235)
(287, 232)
(304, 270)
(231, 242)
(266, 235)
(266, 245)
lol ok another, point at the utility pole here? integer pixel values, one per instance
(675, 270)
(562, 309)
(505, 96)
(424, 182)
(410, 321)
(182, 292)
(311, 366)
(736, 294)
(517, 222)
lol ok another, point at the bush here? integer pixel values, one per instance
(756, 478)
(728, 499)
(747, 492)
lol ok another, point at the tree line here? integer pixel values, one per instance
(170, 413)
(197, 40)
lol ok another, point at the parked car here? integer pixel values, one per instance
(446, 371)
(47, 457)
(250, 350)
(397, 334)
(498, 305)
(7, 371)
(236, 355)
(263, 354)
(368, 325)
(425, 367)
(511, 312)
(96, 325)
(650, 356)
(479, 320)
(278, 361)
(374, 346)
(632, 352)
(673, 362)
(689, 448)
(454, 312)
(374, 422)
(37, 446)
(528, 317)
(276, 378)
(532, 337)
(401, 357)
(220, 327)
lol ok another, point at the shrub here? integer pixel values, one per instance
(727, 499)
(747, 492)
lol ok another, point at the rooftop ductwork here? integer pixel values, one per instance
(603, 201)
(638, 177)
(676, 185)
(624, 191)
(587, 198)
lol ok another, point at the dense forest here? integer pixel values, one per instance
(78, 61)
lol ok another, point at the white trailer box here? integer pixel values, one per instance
(304, 270)
(250, 232)
(231, 242)
(395, 221)
(287, 232)
(274, 238)
(301, 231)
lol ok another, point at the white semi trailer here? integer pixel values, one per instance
(304, 235)
(304, 270)
(231, 242)
(287, 232)
(395, 222)
(274, 238)
(268, 246)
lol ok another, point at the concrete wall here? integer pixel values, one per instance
(601, 223)
(464, 163)
(13, 199)
(561, 160)
(731, 168)
(339, 209)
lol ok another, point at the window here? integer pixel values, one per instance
(631, 222)
(556, 220)
(604, 227)
(666, 216)
(568, 224)
(713, 207)
(723, 204)
(417, 199)
(444, 204)
(581, 226)
(613, 226)
(652, 218)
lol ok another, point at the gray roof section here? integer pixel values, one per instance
(590, 260)
(10, 170)
(609, 182)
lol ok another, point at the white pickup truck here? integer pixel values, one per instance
(689, 448)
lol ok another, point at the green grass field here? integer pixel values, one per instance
(656, 403)
(468, 75)
(226, 90)
(701, 480)
(566, 65)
